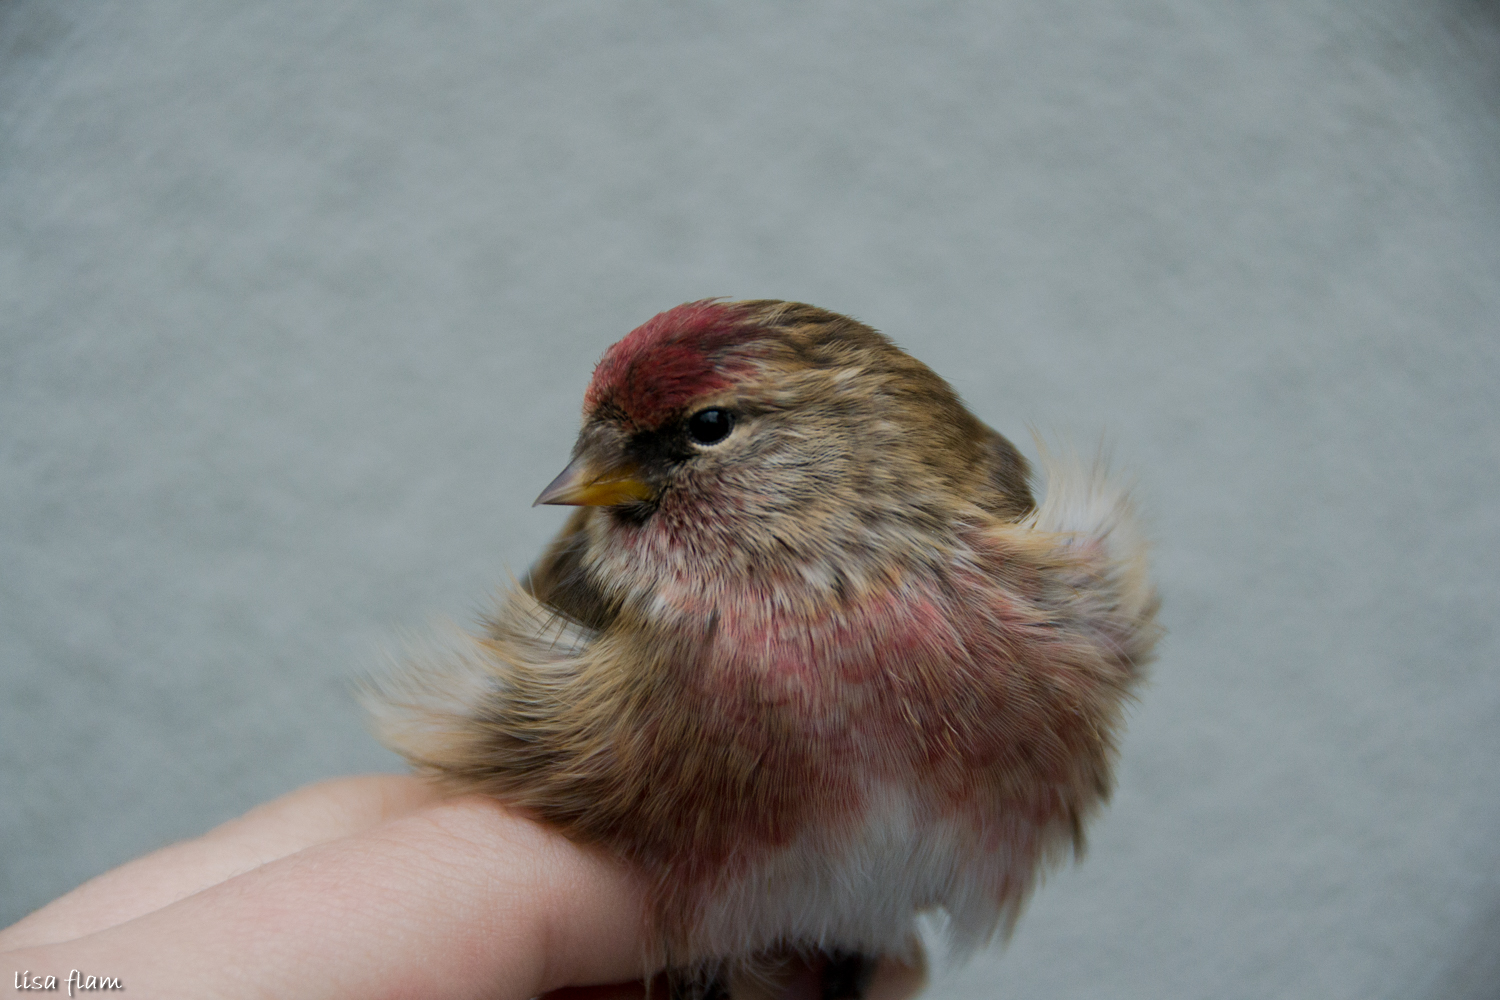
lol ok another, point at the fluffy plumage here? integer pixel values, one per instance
(814, 678)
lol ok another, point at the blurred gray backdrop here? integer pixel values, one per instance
(298, 301)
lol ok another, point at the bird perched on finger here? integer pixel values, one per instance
(809, 654)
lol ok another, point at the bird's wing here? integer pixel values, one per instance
(1008, 478)
(558, 579)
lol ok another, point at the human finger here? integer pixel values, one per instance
(311, 815)
(461, 898)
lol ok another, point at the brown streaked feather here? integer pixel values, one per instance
(1010, 477)
(985, 464)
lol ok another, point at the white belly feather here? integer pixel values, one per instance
(865, 894)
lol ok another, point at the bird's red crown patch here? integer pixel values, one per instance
(672, 358)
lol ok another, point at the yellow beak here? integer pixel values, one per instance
(583, 484)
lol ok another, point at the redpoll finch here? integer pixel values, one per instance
(808, 655)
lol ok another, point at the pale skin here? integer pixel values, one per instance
(372, 886)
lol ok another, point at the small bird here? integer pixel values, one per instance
(808, 655)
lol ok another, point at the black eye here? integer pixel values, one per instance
(710, 426)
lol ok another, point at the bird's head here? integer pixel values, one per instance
(749, 435)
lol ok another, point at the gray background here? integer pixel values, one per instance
(298, 301)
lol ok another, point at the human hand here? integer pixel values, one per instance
(371, 886)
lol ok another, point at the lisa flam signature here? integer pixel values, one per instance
(75, 980)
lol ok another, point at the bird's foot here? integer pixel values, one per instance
(837, 975)
(846, 975)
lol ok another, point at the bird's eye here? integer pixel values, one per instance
(710, 426)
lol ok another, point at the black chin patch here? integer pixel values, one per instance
(633, 512)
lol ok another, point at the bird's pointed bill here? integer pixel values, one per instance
(585, 484)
